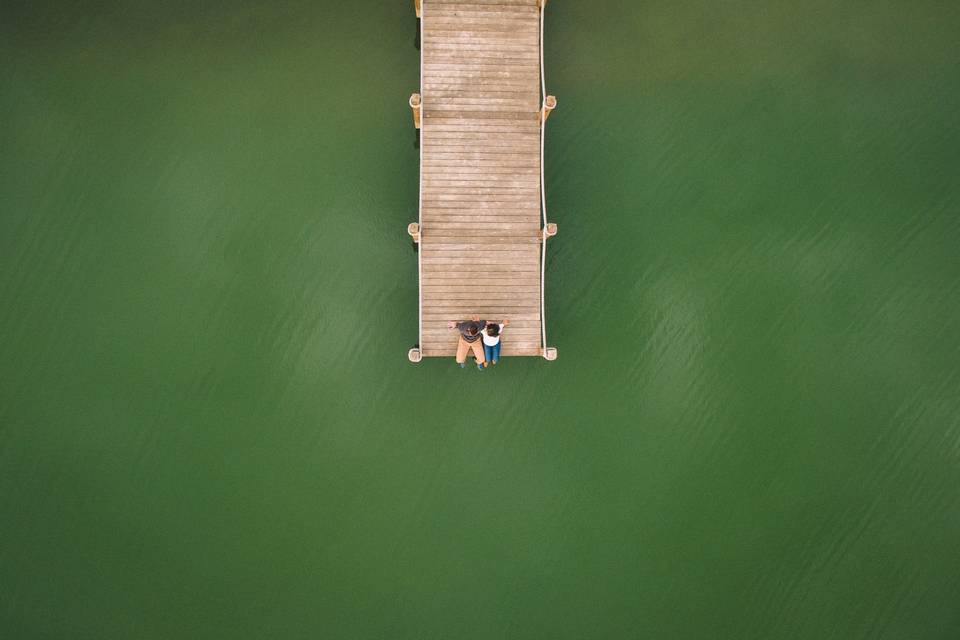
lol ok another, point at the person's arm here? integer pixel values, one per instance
(451, 325)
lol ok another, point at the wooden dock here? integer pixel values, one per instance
(482, 228)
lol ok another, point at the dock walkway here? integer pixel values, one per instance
(482, 226)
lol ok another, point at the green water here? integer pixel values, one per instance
(208, 424)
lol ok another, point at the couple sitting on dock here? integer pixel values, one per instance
(482, 337)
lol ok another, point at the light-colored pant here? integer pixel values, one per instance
(463, 347)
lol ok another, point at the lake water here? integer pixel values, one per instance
(208, 424)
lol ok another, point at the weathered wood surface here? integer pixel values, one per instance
(480, 173)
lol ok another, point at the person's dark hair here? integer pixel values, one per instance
(493, 330)
(472, 329)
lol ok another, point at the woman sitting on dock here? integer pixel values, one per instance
(491, 340)
(470, 338)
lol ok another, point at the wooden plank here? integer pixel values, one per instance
(471, 8)
(468, 213)
(444, 58)
(483, 263)
(479, 259)
(500, 93)
(509, 200)
(441, 121)
(488, 297)
(473, 272)
(433, 261)
(464, 311)
(510, 155)
(480, 246)
(470, 226)
(481, 286)
(455, 181)
(505, 238)
(505, 351)
(503, 241)
(482, 213)
(527, 133)
(481, 170)
(456, 3)
(477, 234)
(502, 281)
(520, 43)
(518, 46)
(531, 316)
(439, 193)
(519, 273)
(473, 103)
(499, 21)
(506, 9)
(450, 142)
(480, 208)
(466, 33)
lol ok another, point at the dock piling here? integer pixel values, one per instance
(414, 230)
(415, 105)
(549, 104)
(548, 231)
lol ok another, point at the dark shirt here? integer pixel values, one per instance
(463, 326)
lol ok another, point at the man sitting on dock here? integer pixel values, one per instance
(471, 332)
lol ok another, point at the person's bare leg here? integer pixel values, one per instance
(462, 347)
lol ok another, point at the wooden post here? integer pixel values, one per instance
(416, 6)
(415, 105)
(549, 231)
(549, 104)
(414, 230)
(414, 355)
(550, 353)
